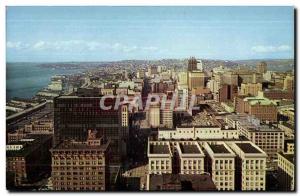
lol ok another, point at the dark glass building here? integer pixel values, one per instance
(74, 116)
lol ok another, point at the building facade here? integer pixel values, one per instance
(81, 166)
(74, 116)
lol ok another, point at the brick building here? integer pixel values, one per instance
(78, 166)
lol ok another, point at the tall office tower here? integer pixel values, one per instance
(227, 92)
(192, 64)
(166, 115)
(74, 116)
(288, 83)
(182, 99)
(81, 166)
(261, 67)
(152, 70)
(250, 166)
(196, 79)
(154, 115)
(140, 74)
(220, 161)
(200, 65)
(247, 76)
(228, 77)
(182, 78)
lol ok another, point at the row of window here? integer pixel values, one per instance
(74, 168)
(66, 157)
(87, 183)
(77, 178)
(77, 163)
(224, 161)
(76, 173)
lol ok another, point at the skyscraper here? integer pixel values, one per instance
(192, 64)
(74, 116)
(261, 67)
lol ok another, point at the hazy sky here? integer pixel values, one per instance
(115, 33)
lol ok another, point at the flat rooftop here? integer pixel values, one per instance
(29, 146)
(189, 149)
(182, 182)
(289, 157)
(264, 128)
(219, 148)
(247, 148)
(159, 149)
(77, 146)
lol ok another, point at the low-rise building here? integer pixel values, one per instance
(29, 159)
(40, 126)
(198, 132)
(16, 135)
(180, 182)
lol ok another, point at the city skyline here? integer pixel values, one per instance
(204, 102)
(93, 33)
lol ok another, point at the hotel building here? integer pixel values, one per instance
(81, 166)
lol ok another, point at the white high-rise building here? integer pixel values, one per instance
(200, 65)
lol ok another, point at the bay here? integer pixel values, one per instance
(24, 80)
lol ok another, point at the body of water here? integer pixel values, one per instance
(24, 80)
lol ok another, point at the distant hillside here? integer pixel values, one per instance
(273, 64)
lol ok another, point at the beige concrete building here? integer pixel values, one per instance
(269, 139)
(286, 170)
(166, 115)
(290, 148)
(261, 67)
(288, 83)
(250, 89)
(250, 166)
(232, 165)
(191, 157)
(107, 91)
(40, 126)
(140, 74)
(182, 99)
(196, 132)
(196, 79)
(221, 163)
(160, 157)
(182, 78)
(154, 115)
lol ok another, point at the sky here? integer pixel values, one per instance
(54, 34)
